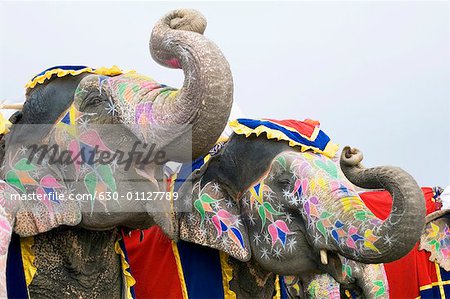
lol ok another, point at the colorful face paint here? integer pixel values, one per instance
(135, 95)
(212, 211)
(325, 198)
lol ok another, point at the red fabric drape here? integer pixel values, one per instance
(156, 274)
(406, 275)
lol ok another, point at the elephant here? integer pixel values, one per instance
(292, 209)
(369, 280)
(104, 110)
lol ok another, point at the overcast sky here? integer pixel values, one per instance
(375, 74)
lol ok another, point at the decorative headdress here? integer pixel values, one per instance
(304, 134)
(59, 71)
(74, 70)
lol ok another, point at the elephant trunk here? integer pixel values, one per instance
(402, 229)
(204, 102)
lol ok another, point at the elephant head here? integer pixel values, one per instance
(292, 210)
(436, 238)
(79, 108)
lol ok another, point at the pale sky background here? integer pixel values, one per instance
(375, 74)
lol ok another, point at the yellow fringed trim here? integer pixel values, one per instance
(129, 280)
(277, 288)
(112, 71)
(28, 258)
(5, 124)
(227, 275)
(330, 149)
(176, 254)
(180, 270)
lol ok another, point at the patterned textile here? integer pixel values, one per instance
(73, 70)
(305, 134)
(440, 287)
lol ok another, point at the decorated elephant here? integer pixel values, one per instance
(371, 281)
(275, 195)
(94, 111)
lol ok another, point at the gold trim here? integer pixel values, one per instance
(439, 277)
(180, 270)
(439, 283)
(277, 288)
(112, 71)
(129, 280)
(330, 149)
(28, 258)
(227, 276)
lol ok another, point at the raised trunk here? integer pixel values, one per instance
(401, 230)
(204, 102)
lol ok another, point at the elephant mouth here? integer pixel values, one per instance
(333, 265)
(327, 261)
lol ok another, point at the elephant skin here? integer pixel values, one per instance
(127, 110)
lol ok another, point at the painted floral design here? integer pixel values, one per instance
(211, 211)
(437, 241)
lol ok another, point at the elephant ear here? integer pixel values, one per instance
(41, 190)
(436, 238)
(215, 221)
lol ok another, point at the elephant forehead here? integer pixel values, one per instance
(89, 83)
(300, 163)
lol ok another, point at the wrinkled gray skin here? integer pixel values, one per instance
(250, 281)
(243, 162)
(366, 281)
(198, 112)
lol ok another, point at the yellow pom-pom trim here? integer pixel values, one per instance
(329, 151)
(112, 71)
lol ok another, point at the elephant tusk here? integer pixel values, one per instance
(15, 106)
(323, 257)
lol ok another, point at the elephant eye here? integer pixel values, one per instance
(96, 101)
(285, 182)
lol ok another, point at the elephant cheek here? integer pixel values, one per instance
(35, 218)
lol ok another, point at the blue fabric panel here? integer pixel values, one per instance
(283, 288)
(186, 170)
(15, 276)
(202, 270)
(63, 67)
(435, 291)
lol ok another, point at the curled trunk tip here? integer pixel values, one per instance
(398, 234)
(351, 156)
(186, 19)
